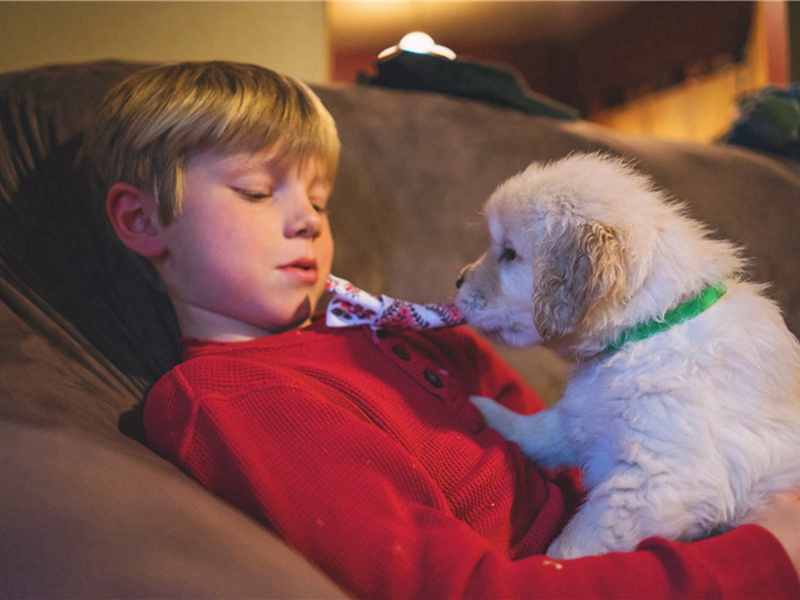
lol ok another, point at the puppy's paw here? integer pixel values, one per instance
(541, 436)
(574, 543)
(563, 550)
(498, 416)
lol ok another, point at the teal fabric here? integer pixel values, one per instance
(769, 121)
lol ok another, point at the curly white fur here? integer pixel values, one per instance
(679, 435)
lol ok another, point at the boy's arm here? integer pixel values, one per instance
(351, 499)
(782, 517)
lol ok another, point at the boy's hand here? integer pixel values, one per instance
(781, 517)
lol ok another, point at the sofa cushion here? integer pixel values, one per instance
(89, 519)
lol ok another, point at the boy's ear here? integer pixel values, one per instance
(134, 216)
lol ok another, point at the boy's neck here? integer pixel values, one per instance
(201, 324)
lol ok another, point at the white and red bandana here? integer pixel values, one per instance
(352, 306)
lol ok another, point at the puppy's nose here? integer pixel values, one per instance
(461, 277)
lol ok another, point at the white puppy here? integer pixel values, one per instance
(683, 410)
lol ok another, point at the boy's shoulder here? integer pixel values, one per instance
(221, 372)
(269, 359)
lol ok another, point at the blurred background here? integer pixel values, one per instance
(663, 69)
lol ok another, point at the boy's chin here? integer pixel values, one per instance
(300, 318)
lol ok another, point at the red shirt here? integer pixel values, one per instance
(365, 454)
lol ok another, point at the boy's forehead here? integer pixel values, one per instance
(266, 160)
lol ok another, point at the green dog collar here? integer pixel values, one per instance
(681, 313)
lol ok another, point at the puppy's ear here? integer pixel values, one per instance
(577, 268)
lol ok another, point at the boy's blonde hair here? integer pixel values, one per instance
(151, 123)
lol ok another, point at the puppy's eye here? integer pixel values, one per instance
(507, 255)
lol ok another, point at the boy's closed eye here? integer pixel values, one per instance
(256, 195)
(319, 203)
(253, 194)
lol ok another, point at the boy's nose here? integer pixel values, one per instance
(305, 222)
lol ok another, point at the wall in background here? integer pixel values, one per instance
(703, 107)
(290, 37)
(647, 46)
(663, 69)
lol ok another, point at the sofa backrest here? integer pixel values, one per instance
(61, 273)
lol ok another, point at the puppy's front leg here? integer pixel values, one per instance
(541, 436)
(617, 515)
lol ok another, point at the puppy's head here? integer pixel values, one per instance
(559, 264)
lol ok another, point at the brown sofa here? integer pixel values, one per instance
(87, 510)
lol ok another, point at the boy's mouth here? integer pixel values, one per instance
(304, 269)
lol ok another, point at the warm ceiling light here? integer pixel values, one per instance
(419, 43)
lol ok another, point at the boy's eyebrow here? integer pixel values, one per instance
(241, 163)
(248, 159)
(264, 164)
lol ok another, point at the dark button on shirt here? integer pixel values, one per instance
(401, 352)
(433, 379)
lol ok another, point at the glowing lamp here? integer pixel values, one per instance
(419, 43)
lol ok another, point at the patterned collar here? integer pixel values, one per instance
(352, 306)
